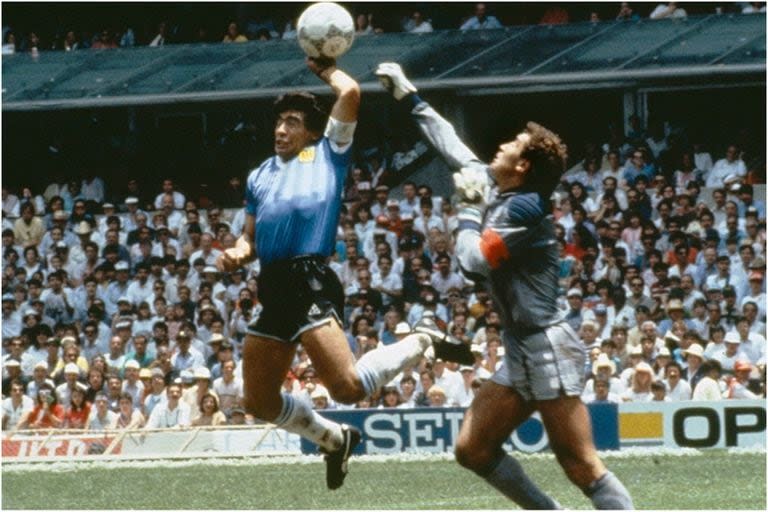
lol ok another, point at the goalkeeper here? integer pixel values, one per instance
(511, 243)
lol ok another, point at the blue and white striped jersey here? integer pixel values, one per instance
(297, 203)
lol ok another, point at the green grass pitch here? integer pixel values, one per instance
(707, 480)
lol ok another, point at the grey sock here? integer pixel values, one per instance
(608, 493)
(509, 478)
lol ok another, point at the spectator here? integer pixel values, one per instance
(46, 414)
(417, 23)
(104, 41)
(731, 165)
(640, 388)
(709, 387)
(128, 416)
(626, 13)
(233, 34)
(16, 406)
(79, 410)
(481, 21)
(210, 413)
(669, 10)
(168, 188)
(160, 37)
(28, 229)
(738, 386)
(101, 418)
(173, 413)
(363, 24)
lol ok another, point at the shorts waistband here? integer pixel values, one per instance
(288, 262)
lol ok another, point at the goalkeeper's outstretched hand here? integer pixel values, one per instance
(472, 185)
(394, 80)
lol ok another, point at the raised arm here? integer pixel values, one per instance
(345, 88)
(439, 132)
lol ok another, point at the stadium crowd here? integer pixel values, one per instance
(114, 314)
(266, 25)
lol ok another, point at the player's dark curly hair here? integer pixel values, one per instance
(547, 155)
(315, 115)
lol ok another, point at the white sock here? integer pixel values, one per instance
(381, 365)
(298, 417)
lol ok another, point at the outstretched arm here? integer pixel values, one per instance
(345, 88)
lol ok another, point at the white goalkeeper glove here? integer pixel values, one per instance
(393, 79)
(472, 185)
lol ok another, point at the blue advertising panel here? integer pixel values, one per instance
(436, 429)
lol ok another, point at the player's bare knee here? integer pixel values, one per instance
(346, 391)
(474, 458)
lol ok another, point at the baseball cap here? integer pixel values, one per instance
(132, 363)
(71, 368)
(201, 372)
(402, 328)
(121, 265)
(574, 292)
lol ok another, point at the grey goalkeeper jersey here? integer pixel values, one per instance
(514, 247)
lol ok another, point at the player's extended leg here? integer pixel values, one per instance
(495, 412)
(349, 381)
(570, 437)
(265, 364)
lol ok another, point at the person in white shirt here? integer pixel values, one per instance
(228, 387)
(178, 197)
(731, 164)
(444, 280)
(669, 10)
(16, 405)
(173, 413)
(708, 387)
(678, 388)
(427, 220)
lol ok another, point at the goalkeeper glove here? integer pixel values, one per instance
(472, 185)
(393, 79)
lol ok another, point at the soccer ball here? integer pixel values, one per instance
(325, 29)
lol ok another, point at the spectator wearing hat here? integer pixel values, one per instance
(15, 352)
(185, 356)
(39, 374)
(155, 394)
(756, 293)
(11, 373)
(194, 395)
(132, 384)
(640, 386)
(728, 353)
(16, 406)
(321, 398)
(575, 314)
(675, 312)
(603, 368)
(465, 393)
(693, 358)
(738, 386)
(381, 196)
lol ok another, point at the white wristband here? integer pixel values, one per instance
(340, 132)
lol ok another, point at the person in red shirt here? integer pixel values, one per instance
(79, 409)
(47, 412)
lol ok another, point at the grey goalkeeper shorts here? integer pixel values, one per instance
(543, 364)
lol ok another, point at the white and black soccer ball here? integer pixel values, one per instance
(325, 29)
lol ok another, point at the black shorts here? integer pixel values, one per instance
(297, 295)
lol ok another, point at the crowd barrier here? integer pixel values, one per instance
(719, 424)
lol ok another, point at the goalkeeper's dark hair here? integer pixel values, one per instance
(315, 115)
(547, 155)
